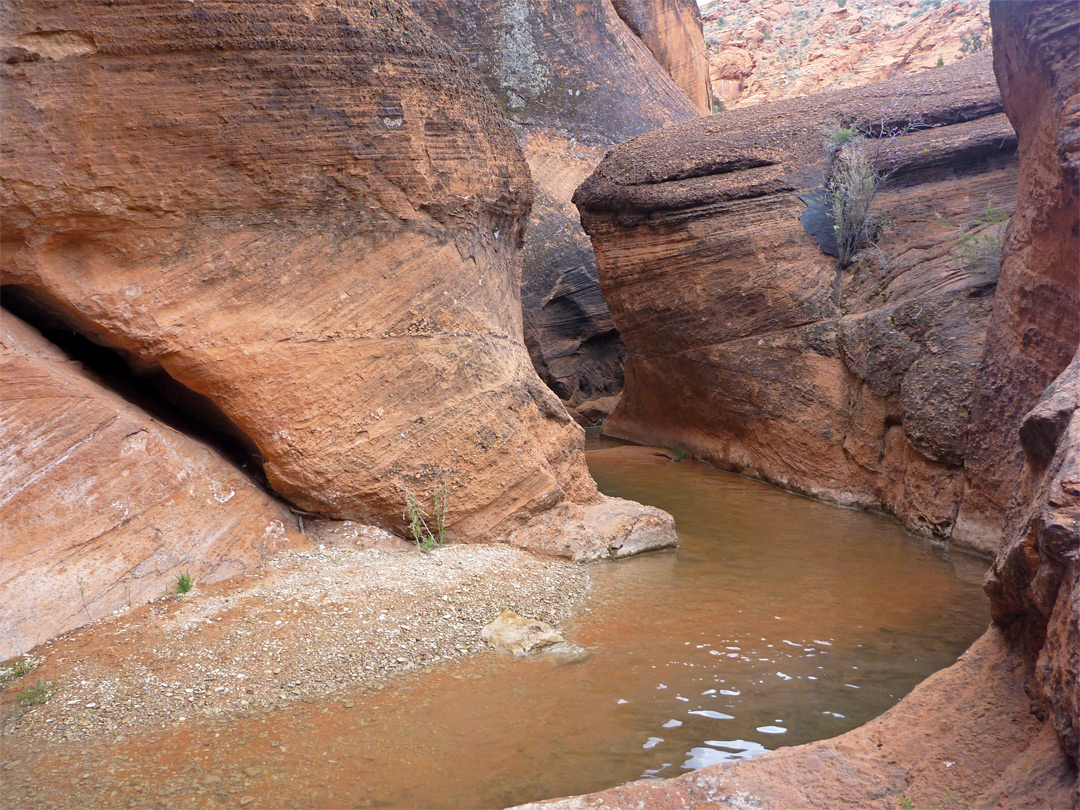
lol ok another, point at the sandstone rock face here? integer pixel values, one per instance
(574, 79)
(310, 217)
(765, 50)
(751, 348)
(1036, 323)
(1034, 585)
(672, 31)
(102, 505)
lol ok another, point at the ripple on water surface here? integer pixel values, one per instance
(778, 621)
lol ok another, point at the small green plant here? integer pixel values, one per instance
(841, 3)
(35, 695)
(183, 583)
(678, 452)
(941, 61)
(973, 42)
(979, 249)
(863, 158)
(20, 669)
(422, 534)
(948, 802)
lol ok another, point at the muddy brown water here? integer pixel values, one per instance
(778, 621)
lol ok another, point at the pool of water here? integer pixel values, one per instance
(778, 621)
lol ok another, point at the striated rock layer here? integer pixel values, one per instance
(309, 216)
(574, 79)
(751, 348)
(672, 30)
(1036, 323)
(1034, 585)
(102, 505)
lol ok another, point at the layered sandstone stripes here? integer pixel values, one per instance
(749, 346)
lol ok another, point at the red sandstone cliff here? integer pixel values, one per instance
(1036, 322)
(575, 79)
(1034, 434)
(102, 503)
(307, 219)
(672, 31)
(752, 348)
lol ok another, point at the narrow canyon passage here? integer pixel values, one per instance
(778, 621)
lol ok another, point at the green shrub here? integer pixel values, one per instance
(425, 538)
(853, 185)
(863, 158)
(678, 452)
(20, 669)
(973, 42)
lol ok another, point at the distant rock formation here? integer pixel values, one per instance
(307, 218)
(766, 50)
(749, 345)
(101, 503)
(574, 79)
(672, 31)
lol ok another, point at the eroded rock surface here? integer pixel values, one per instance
(1036, 323)
(765, 50)
(672, 30)
(310, 217)
(751, 348)
(998, 729)
(1034, 585)
(574, 79)
(102, 505)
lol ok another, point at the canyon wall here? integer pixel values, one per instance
(573, 79)
(303, 223)
(102, 503)
(997, 730)
(672, 30)
(1036, 324)
(752, 348)
(1034, 434)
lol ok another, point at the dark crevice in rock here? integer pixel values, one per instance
(818, 222)
(152, 389)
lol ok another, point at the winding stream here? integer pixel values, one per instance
(779, 621)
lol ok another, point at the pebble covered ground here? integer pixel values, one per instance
(309, 624)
